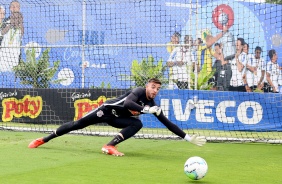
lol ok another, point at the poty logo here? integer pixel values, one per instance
(28, 106)
(83, 106)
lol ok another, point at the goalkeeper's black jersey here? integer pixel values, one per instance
(135, 100)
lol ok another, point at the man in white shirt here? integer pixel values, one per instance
(182, 62)
(238, 67)
(272, 72)
(251, 69)
(260, 69)
(12, 35)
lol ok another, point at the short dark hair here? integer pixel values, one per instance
(200, 40)
(271, 53)
(241, 40)
(217, 44)
(177, 34)
(258, 48)
(155, 80)
(14, 1)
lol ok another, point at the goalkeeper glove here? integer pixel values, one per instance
(195, 139)
(152, 110)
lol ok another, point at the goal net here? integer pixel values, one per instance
(61, 59)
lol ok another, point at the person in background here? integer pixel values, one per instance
(174, 40)
(10, 52)
(260, 69)
(14, 7)
(196, 44)
(204, 51)
(223, 70)
(250, 72)
(238, 68)
(2, 17)
(12, 34)
(182, 61)
(272, 72)
(3, 76)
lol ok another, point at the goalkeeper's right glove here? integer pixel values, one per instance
(195, 139)
(152, 110)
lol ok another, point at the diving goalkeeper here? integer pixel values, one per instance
(121, 113)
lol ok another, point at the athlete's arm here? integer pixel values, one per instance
(268, 78)
(130, 103)
(171, 126)
(194, 139)
(212, 40)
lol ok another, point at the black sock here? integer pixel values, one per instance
(115, 140)
(49, 137)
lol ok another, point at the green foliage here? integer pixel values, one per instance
(202, 79)
(102, 86)
(258, 90)
(37, 73)
(142, 71)
(274, 1)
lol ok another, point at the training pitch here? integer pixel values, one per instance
(78, 159)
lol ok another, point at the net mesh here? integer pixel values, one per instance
(60, 52)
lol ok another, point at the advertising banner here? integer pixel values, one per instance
(211, 110)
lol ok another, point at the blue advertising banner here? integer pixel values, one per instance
(209, 109)
(220, 110)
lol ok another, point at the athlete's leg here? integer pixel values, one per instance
(89, 119)
(97, 115)
(130, 126)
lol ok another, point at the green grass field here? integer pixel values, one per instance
(78, 159)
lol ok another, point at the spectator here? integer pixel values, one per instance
(260, 69)
(238, 67)
(2, 16)
(251, 69)
(204, 52)
(197, 54)
(14, 7)
(3, 76)
(175, 38)
(181, 60)
(223, 70)
(12, 32)
(10, 51)
(272, 72)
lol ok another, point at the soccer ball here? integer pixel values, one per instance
(195, 168)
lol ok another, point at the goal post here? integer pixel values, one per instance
(60, 59)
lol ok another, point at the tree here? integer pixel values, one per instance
(142, 71)
(202, 79)
(37, 73)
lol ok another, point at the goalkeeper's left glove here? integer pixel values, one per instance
(195, 139)
(152, 110)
